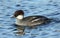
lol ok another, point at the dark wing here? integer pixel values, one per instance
(35, 20)
(30, 18)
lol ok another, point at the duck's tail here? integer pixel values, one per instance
(54, 20)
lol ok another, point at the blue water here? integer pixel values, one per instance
(48, 8)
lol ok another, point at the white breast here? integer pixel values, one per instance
(21, 23)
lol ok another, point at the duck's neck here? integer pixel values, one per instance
(18, 21)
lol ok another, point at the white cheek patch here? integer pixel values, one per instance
(19, 17)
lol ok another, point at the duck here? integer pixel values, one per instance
(29, 20)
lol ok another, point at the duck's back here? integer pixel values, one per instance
(35, 20)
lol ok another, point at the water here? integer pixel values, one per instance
(48, 8)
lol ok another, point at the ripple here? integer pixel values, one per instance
(9, 7)
(43, 34)
(18, 5)
(32, 37)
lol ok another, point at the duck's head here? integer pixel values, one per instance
(19, 14)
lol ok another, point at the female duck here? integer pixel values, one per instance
(30, 20)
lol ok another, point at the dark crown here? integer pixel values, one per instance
(18, 12)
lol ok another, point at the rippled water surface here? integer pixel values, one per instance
(48, 8)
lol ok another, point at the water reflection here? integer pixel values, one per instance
(20, 30)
